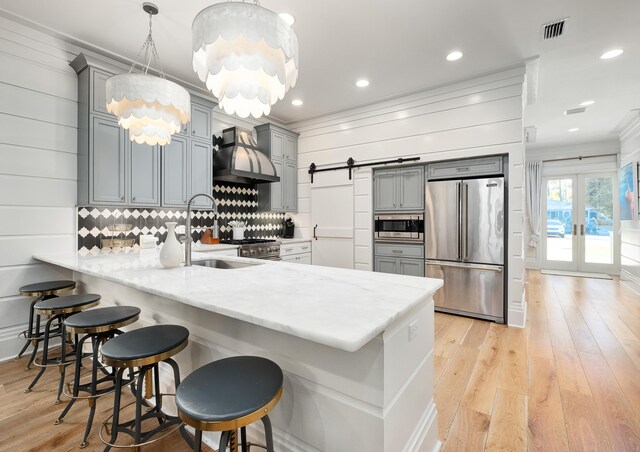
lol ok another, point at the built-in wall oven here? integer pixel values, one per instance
(401, 227)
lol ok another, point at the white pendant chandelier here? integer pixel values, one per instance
(151, 108)
(246, 55)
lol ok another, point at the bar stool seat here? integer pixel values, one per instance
(68, 304)
(41, 291)
(229, 394)
(97, 326)
(47, 288)
(58, 309)
(143, 348)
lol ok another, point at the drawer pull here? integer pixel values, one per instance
(397, 251)
(288, 249)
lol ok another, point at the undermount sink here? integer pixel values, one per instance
(226, 265)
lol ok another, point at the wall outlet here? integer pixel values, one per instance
(413, 330)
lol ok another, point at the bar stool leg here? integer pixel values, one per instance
(224, 441)
(268, 434)
(45, 354)
(198, 441)
(29, 332)
(61, 366)
(116, 408)
(35, 342)
(93, 400)
(138, 422)
(76, 376)
(243, 439)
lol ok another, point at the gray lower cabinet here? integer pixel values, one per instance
(400, 189)
(399, 259)
(281, 146)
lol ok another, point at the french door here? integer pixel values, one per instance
(578, 228)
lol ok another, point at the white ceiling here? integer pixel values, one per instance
(400, 47)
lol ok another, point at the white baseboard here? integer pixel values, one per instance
(10, 343)
(630, 281)
(518, 315)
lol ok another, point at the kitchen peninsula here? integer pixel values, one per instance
(356, 347)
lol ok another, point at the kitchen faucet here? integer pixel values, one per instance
(187, 243)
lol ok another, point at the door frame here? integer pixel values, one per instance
(578, 262)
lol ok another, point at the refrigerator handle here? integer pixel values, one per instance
(459, 212)
(465, 257)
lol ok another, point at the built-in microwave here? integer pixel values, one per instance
(401, 227)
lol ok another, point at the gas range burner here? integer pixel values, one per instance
(246, 241)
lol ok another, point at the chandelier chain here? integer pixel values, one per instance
(150, 53)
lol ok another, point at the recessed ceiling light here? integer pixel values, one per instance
(586, 103)
(575, 129)
(362, 83)
(454, 56)
(288, 18)
(611, 54)
(296, 102)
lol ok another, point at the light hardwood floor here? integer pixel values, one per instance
(570, 381)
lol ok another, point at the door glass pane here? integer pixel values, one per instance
(598, 224)
(559, 220)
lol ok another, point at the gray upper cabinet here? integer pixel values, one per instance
(281, 146)
(144, 174)
(174, 172)
(201, 172)
(112, 170)
(200, 121)
(411, 188)
(400, 189)
(107, 162)
(385, 188)
(98, 91)
(484, 166)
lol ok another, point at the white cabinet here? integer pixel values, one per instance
(297, 253)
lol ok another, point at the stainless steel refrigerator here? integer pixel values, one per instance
(464, 245)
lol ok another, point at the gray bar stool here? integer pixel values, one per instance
(98, 326)
(143, 348)
(228, 395)
(41, 291)
(58, 308)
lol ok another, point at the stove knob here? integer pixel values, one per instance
(244, 253)
(261, 250)
(253, 252)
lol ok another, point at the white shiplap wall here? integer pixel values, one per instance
(472, 118)
(630, 230)
(38, 119)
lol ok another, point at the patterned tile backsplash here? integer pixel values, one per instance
(234, 201)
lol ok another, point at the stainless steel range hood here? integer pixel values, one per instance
(240, 160)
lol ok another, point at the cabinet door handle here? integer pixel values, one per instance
(133, 199)
(193, 131)
(121, 198)
(582, 229)
(575, 229)
(314, 232)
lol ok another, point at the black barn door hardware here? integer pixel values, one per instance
(352, 164)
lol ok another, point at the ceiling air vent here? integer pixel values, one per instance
(554, 29)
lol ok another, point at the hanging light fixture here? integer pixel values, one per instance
(246, 55)
(151, 108)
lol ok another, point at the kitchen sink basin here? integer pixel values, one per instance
(226, 265)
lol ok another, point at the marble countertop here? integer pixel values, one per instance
(340, 308)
